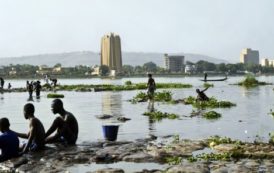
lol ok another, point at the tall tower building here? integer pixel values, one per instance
(249, 56)
(111, 54)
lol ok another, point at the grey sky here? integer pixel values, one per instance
(218, 28)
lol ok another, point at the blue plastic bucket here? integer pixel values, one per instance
(110, 132)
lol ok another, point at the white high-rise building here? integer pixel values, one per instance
(249, 56)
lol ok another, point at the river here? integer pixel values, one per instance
(248, 121)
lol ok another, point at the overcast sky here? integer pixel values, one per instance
(218, 28)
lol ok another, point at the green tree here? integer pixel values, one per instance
(150, 67)
(128, 69)
(104, 70)
(57, 65)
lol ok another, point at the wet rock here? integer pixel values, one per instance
(225, 147)
(189, 168)
(138, 157)
(123, 119)
(104, 116)
(104, 158)
(238, 169)
(220, 170)
(109, 170)
(150, 171)
(252, 164)
(80, 159)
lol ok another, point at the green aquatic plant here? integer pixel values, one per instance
(158, 116)
(207, 85)
(163, 96)
(173, 160)
(55, 95)
(215, 156)
(189, 100)
(271, 138)
(128, 86)
(251, 81)
(176, 138)
(216, 140)
(128, 82)
(211, 103)
(46, 85)
(211, 115)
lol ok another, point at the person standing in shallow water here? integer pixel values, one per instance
(38, 88)
(30, 88)
(2, 82)
(66, 125)
(36, 134)
(151, 87)
(9, 142)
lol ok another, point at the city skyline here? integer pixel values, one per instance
(219, 29)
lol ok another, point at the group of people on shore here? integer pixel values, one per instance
(65, 125)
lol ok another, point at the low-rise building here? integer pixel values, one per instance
(190, 69)
(267, 62)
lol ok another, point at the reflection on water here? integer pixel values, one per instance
(128, 167)
(111, 103)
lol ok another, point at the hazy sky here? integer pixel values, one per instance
(218, 28)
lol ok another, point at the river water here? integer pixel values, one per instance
(248, 121)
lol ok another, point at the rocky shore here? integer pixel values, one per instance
(218, 155)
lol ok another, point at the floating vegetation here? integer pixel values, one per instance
(128, 86)
(158, 116)
(54, 95)
(207, 85)
(214, 156)
(271, 138)
(208, 115)
(163, 96)
(46, 85)
(211, 103)
(211, 115)
(216, 140)
(128, 82)
(251, 81)
(173, 160)
(176, 138)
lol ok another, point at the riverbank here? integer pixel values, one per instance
(170, 153)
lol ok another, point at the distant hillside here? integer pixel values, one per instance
(93, 58)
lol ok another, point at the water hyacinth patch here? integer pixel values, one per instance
(128, 86)
(207, 85)
(211, 103)
(54, 95)
(211, 115)
(216, 140)
(158, 116)
(163, 96)
(128, 82)
(251, 81)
